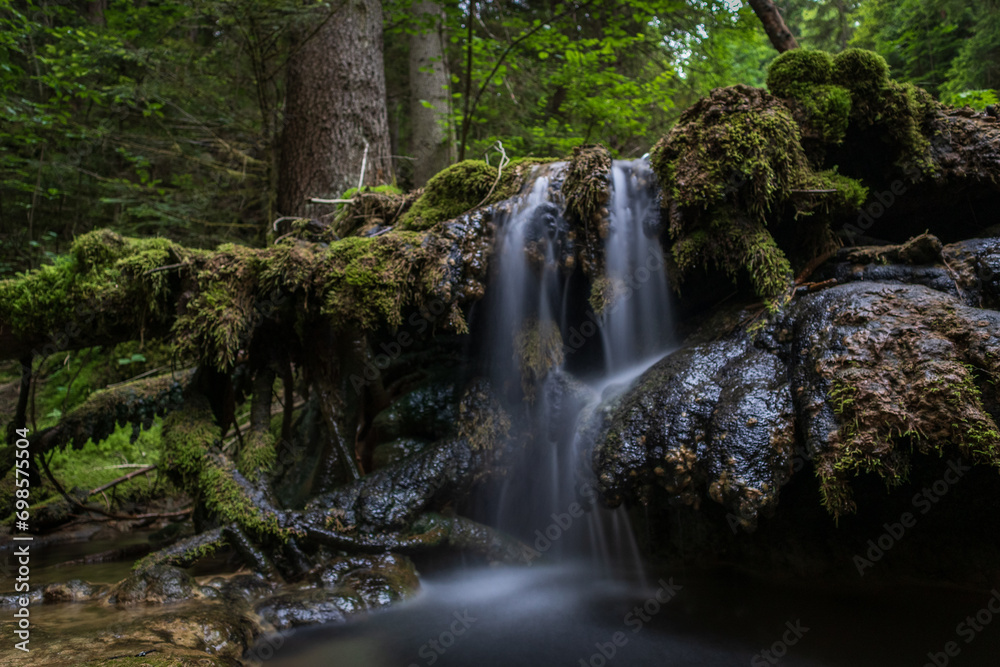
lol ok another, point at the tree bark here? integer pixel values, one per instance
(335, 109)
(779, 34)
(432, 139)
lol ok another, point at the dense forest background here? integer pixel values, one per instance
(176, 118)
(164, 117)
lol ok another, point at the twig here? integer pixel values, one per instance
(813, 192)
(317, 200)
(274, 225)
(504, 160)
(813, 264)
(134, 473)
(137, 377)
(364, 165)
(164, 268)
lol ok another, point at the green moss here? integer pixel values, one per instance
(225, 497)
(538, 348)
(450, 193)
(188, 434)
(734, 245)
(805, 76)
(257, 456)
(738, 136)
(462, 187)
(864, 73)
(798, 68)
(586, 187)
(103, 282)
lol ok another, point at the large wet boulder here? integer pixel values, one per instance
(713, 420)
(858, 378)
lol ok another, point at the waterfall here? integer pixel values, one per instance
(548, 498)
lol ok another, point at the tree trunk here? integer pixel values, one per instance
(335, 109)
(781, 37)
(433, 138)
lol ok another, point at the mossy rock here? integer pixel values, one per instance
(793, 70)
(806, 76)
(860, 71)
(463, 187)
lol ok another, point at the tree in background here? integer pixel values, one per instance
(949, 47)
(432, 136)
(336, 132)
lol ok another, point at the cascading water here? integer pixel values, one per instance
(543, 497)
(573, 601)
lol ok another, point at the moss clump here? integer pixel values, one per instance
(464, 186)
(806, 76)
(104, 285)
(739, 144)
(136, 403)
(734, 245)
(257, 455)
(586, 187)
(538, 348)
(901, 111)
(188, 434)
(450, 193)
(796, 68)
(227, 498)
(864, 73)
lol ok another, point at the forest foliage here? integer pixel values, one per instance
(164, 118)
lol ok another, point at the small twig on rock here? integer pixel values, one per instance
(504, 160)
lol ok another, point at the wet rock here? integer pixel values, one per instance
(714, 420)
(397, 450)
(160, 583)
(308, 607)
(428, 412)
(881, 370)
(976, 263)
(240, 587)
(74, 590)
(857, 378)
(349, 586)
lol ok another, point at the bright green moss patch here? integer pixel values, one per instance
(450, 193)
(226, 498)
(806, 76)
(188, 434)
(860, 71)
(103, 285)
(464, 186)
(794, 69)
(257, 455)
